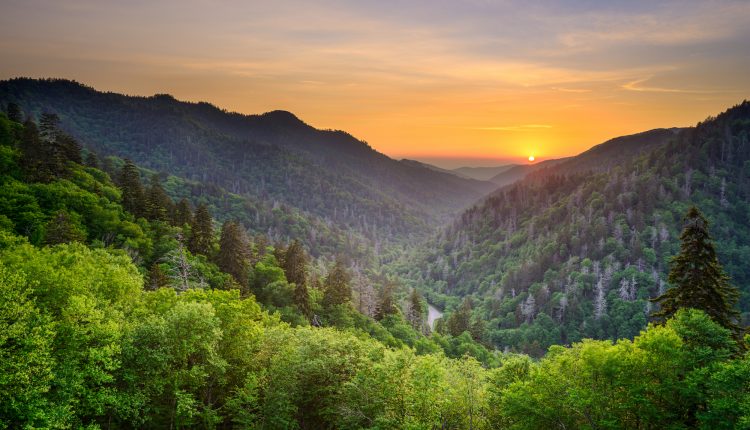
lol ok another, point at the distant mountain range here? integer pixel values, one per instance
(575, 248)
(482, 173)
(275, 157)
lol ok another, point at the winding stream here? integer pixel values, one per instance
(432, 314)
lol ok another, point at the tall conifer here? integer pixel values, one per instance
(202, 235)
(698, 279)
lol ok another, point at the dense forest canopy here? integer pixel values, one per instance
(133, 295)
(575, 251)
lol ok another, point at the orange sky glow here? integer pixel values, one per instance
(465, 82)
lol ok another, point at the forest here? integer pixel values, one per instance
(132, 297)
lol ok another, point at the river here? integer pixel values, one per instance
(432, 314)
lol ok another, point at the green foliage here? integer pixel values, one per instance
(338, 290)
(588, 241)
(699, 279)
(233, 255)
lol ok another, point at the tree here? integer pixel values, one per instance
(302, 299)
(14, 112)
(337, 286)
(26, 355)
(459, 321)
(157, 278)
(201, 239)
(698, 279)
(294, 263)
(386, 304)
(54, 146)
(62, 229)
(233, 256)
(415, 310)
(70, 149)
(132, 189)
(92, 160)
(182, 213)
(33, 153)
(157, 201)
(181, 269)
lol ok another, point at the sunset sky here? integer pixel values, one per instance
(453, 83)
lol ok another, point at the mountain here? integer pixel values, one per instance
(575, 250)
(436, 168)
(519, 171)
(274, 157)
(482, 173)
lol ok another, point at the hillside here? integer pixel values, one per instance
(483, 173)
(576, 250)
(519, 171)
(274, 157)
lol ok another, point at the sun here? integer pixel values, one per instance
(531, 158)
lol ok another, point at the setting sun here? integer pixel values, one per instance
(531, 158)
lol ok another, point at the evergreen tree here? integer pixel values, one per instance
(477, 330)
(295, 263)
(201, 239)
(698, 279)
(132, 189)
(14, 112)
(92, 160)
(157, 202)
(70, 148)
(386, 304)
(337, 286)
(32, 154)
(234, 253)
(62, 229)
(302, 299)
(48, 126)
(53, 146)
(415, 309)
(182, 214)
(460, 320)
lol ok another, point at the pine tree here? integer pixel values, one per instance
(459, 321)
(386, 304)
(132, 189)
(294, 263)
(302, 299)
(32, 154)
(54, 144)
(202, 235)
(157, 204)
(415, 310)
(62, 229)
(70, 148)
(14, 112)
(182, 214)
(698, 279)
(234, 253)
(92, 160)
(337, 286)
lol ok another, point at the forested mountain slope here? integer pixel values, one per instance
(274, 156)
(576, 250)
(121, 308)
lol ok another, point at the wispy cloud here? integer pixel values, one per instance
(636, 85)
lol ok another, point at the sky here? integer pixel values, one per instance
(448, 82)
